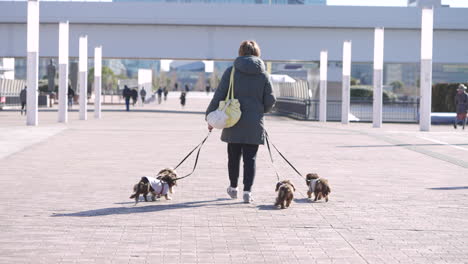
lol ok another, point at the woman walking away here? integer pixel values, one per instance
(183, 98)
(252, 87)
(23, 96)
(461, 104)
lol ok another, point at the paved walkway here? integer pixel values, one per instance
(398, 195)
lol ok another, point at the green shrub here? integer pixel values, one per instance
(366, 93)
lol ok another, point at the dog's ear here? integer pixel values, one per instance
(144, 179)
(277, 186)
(294, 188)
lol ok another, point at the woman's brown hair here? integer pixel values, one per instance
(249, 48)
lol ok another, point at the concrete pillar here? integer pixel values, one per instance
(346, 83)
(427, 24)
(83, 77)
(145, 80)
(323, 86)
(97, 81)
(378, 77)
(63, 72)
(9, 67)
(32, 63)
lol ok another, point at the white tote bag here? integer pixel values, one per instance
(228, 112)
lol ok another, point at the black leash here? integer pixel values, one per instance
(281, 154)
(199, 147)
(271, 156)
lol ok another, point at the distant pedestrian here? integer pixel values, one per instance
(160, 92)
(183, 98)
(127, 93)
(165, 91)
(23, 99)
(143, 95)
(208, 88)
(134, 96)
(187, 88)
(176, 86)
(71, 97)
(461, 104)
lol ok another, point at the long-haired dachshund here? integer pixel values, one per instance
(318, 186)
(285, 191)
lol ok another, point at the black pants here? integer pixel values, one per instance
(23, 107)
(249, 155)
(127, 103)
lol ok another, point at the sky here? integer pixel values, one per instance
(452, 3)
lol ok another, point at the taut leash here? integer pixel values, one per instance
(281, 154)
(199, 147)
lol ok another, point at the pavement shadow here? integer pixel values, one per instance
(303, 200)
(144, 209)
(449, 188)
(267, 207)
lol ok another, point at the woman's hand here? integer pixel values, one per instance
(210, 127)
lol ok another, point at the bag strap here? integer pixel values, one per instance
(230, 93)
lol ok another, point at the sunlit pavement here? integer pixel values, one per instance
(398, 195)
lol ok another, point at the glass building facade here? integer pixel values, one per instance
(399, 78)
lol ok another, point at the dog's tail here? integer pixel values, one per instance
(135, 190)
(326, 187)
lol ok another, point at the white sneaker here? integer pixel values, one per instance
(232, 192)
(248, 197)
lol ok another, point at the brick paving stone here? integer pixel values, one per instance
(397, 197)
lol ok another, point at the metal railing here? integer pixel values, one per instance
(9, 91)
(294, 100)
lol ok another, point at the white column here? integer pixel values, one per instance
(346, 83)
(9, 68)
(378, 77)
(323, 86)
(165, 65)
(63, 72)
(209, 65)
(83, 77)
(427, 25)
(97, 81)
(145, 80)
(32, 63)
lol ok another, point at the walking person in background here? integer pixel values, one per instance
(134, 94)
(165, 92)
(252, 87)
(176, 86)
(23, 98)
(208, 88)
(187, 88)
(183, 97)
(126, 95)
(71, 97)
(143, 95)
(160, 91)
(461, 104)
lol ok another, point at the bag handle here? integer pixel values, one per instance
(230, 93)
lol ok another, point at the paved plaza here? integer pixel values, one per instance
(398, 195)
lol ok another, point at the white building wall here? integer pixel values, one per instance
(199, 31)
